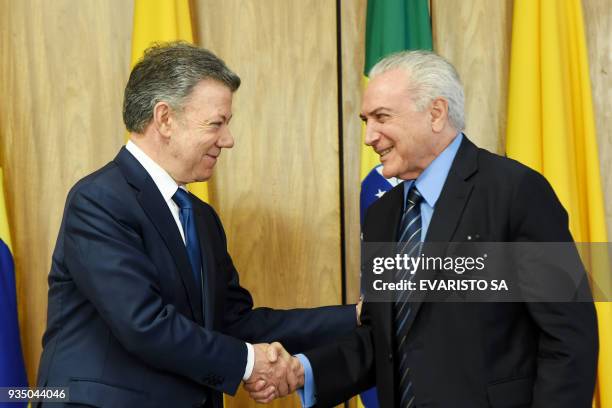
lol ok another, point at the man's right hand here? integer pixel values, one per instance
(275, 374)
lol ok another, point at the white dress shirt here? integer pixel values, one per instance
(164, 182)
(167, 187)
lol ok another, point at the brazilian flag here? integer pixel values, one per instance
(391, 26)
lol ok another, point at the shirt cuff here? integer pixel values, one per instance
(308, 393)
(250, 362)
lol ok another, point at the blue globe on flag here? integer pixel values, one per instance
(373, 186)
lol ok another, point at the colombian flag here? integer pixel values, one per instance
(163, 21)
(12, 369)
(551, 128)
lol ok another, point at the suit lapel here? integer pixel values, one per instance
(159, 214)
(449, 208)
(447, 214)
(455, 194)
(383, 229)
(208, 264)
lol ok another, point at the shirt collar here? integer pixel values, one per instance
(164, 182)
(431, 181)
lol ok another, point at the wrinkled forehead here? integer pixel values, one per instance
(387, 88)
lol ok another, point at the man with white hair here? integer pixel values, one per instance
(436, 354)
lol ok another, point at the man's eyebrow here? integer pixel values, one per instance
(382, 109)
(226, 119)
(376, 111)
(223, 118)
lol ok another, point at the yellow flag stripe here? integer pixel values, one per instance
(5, 234)
(369, 158)
(162, 21)
(551, 128)
(159, 21)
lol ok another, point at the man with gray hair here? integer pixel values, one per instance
(145, 306)
(421, 353)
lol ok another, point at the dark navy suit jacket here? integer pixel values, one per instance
(126, 325)
(472, 354)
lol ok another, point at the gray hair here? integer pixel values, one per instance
(169, 72)
(431, 76)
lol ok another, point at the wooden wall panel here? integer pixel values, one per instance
(475, 37)
(353, 14)
(352, 24)
(598, 27)
(63, 67)
(277, 190)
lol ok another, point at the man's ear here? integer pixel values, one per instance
(163, 118)
(439, 114)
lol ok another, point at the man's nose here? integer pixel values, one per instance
(371, 135)
(226, 140)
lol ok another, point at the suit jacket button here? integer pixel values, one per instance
(390, 356)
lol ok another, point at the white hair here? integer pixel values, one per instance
(431, 76)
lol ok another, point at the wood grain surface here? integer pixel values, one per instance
(475, 37)
(353, 52)
(598, 31)
(64, 66)
(277, 191)
(62, 74)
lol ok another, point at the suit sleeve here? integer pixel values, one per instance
(568, 343)
(109, 265)
(297, 329)
(344, 368)
(347, 366)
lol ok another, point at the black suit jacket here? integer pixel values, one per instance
(472, 354)
(126, 325)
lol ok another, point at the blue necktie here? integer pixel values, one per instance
(409, 243)
(187, 217)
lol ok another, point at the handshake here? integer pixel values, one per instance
(276, 373)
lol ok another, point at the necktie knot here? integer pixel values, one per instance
(414, 196)
(181, 198)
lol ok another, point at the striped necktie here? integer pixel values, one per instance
(409, 243)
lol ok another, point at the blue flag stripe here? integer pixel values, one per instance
(12, 369)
